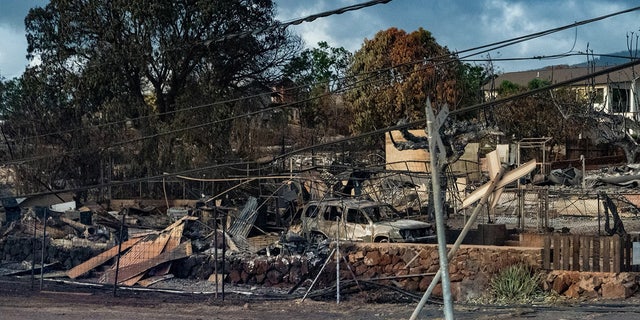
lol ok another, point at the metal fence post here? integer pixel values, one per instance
(44, 247)
(34, 243)
(120, 240)
(215, 248)
(521, 209)
(224, 249)
(598, 213)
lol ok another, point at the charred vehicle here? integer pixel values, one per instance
(360, 220)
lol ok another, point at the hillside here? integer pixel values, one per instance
(611, 59)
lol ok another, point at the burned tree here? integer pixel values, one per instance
(599, 126)
(614, 130)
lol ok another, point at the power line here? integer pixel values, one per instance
(310, 18)
(254, 32)
(343, 140)
(508, 42)
(363, 135)
(206, 124)
(463, 110)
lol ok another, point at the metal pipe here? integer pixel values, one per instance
(44, 247)
(318, 275)
(215, 248)
(120, 240)
(584, 186)
(599, 214)
(338, 261)
(34, 244)
(224, 250)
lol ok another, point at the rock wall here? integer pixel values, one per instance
(592, 285)
(412, 268)
(257, 270)
(415, 265)
(408, 266)
(18, 249)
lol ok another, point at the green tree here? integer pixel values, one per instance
(538, 83)
(318, 75)
(145, 64)
(508, 88)
(322, 66)
(393, 74)
(472, 79)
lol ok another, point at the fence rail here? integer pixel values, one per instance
(588, 253)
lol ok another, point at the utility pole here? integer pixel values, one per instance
(438, 161)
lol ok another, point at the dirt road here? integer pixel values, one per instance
(19, 302)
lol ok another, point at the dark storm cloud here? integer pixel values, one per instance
(13, 12)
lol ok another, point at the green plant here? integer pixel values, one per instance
(517, 283)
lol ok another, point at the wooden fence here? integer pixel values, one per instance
(588, 253)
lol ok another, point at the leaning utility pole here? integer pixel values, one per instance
(438, 161)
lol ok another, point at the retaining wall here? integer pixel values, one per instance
(19, 249)
(409, 266)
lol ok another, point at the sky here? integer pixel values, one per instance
(455, 24)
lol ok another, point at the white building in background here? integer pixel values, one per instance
(615, 92)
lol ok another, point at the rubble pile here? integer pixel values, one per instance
(141, 255)
(146, 244)
(627, 176)
(20, 249)
(592, 285)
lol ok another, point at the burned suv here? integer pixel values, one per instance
(360, 220)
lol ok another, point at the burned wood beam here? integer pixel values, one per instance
(99, 259)
(130, 271)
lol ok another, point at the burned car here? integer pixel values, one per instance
(360, 220)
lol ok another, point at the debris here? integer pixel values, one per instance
(100, 259)
(174, 242)
(618, 227)
(258, 243)
(78, 226)
(566, 177)
(175, 213)
(130, 271)
(11, 209)
(630, 181)
(242, 225)
(25, 268)
(244, 222)
(62, 207)
(141, 254)
(509, 177)
(154, 279)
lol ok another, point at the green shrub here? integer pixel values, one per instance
(516, 284)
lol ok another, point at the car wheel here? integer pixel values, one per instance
(383, 240)
(317, 237)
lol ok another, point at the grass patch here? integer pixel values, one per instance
(516, 284)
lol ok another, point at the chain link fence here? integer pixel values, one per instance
(541, 209)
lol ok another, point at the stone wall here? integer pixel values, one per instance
(412, 268)
(470, 270)
(18, 249)
(592, 285)
(257, 270)
(409, 266)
